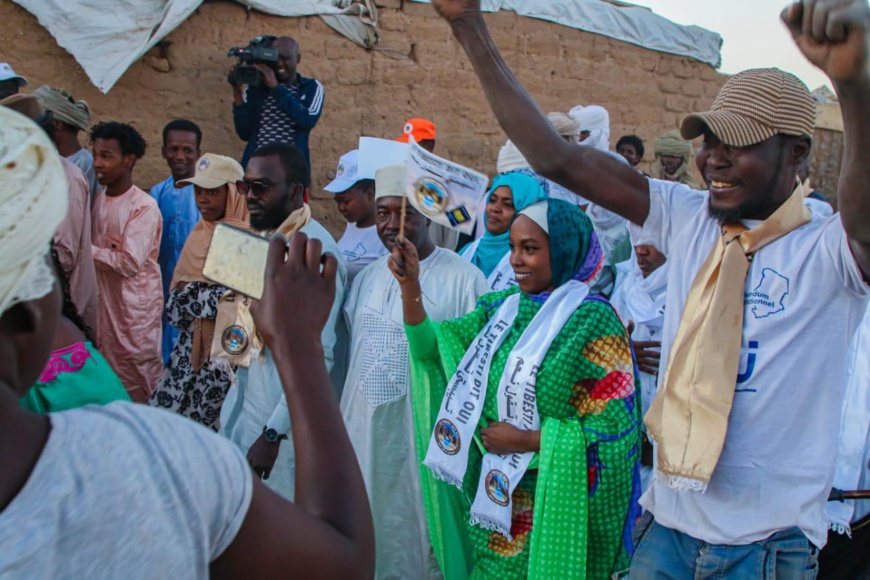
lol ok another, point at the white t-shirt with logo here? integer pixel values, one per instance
(359, 248)
(804, 300)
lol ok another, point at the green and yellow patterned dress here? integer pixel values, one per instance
(576, 506)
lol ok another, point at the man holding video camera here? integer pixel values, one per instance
(271, 101)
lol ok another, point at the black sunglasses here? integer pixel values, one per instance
(258, 188)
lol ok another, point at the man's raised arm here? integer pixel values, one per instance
(834, 35)
(593, 174)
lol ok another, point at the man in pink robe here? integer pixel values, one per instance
(126, 240)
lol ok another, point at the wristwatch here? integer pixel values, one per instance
(272, 436)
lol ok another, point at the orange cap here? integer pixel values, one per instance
(421, 129)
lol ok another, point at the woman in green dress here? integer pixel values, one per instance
(528, 406)
(76, 374)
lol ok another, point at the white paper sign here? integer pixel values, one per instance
(377, 153)
(445, 192)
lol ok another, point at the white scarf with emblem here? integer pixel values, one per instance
(462, 406)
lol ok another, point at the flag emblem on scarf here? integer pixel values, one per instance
(447, 436)
(497, 485)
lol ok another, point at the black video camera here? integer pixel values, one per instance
(258, 51)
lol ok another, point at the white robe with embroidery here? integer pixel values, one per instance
(377, 409)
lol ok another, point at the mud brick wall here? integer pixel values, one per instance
(417, 70)
(825, 163)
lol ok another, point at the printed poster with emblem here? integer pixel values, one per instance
(445, 192)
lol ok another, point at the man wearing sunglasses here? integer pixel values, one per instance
(255, 414)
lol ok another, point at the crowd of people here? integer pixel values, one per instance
(618, 374)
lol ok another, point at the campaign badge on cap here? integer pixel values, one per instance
(203, 163)
(340, 171)
(409, 128)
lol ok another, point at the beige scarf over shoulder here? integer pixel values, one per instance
(295, 222)
(688, 418)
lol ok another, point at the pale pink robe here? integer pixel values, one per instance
(126, 238)
(73, 244)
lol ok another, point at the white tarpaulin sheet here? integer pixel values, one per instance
(107, 36)
(622, 21)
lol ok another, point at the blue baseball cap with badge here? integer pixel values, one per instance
(346, 174)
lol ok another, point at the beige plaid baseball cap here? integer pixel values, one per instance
(755, 105)
(213, 171)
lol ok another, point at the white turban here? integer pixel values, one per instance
(510, 159)
(564, 124)
(596, 120)
(33, 202)
(640, 236)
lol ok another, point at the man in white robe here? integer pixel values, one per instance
(376, 404)
(639, 298)
(847, 553)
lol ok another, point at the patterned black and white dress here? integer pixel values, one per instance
(197, 395)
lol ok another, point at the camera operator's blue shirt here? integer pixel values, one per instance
(299, 102)
(180, 215)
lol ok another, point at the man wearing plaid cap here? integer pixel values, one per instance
(763, 299)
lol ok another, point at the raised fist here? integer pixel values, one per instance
(833, 35)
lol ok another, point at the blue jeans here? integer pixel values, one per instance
(663, 554)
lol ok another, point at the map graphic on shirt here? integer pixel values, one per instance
(357, 253)
(360, 247)
(769, 296)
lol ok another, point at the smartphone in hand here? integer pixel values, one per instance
(236, 259)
